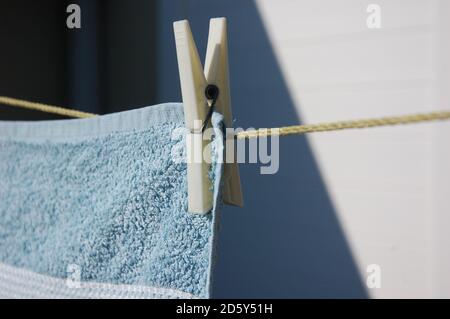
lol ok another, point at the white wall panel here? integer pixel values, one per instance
(385, 183)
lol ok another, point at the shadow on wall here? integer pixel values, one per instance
(287, 241)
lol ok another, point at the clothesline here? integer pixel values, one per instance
(44, 107)
(280, 131)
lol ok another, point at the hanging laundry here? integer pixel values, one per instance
(97, 208)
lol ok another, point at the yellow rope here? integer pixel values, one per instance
(44, 107)
(342, 125)
(280, 131)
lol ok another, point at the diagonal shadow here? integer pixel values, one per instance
(287, 241)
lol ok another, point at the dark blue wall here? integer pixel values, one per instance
(287, 241)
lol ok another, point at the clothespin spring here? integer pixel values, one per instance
(211, 93)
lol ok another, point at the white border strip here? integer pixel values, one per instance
(25, 284)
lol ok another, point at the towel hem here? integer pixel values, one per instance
(59, 130)
(21, 283)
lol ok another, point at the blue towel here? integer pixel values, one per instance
(98, 208)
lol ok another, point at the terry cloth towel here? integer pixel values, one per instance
(97, 208)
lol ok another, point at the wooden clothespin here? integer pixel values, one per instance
(198, 87)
